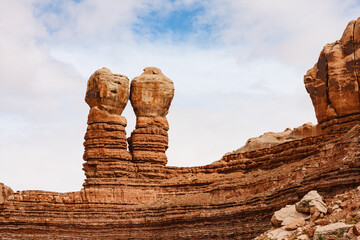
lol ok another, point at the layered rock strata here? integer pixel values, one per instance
(151, 94)
(137, 197)
(105, 139)
(231, 199)
(333, 83)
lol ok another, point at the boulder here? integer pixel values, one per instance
(311, 201)
(331, 229)
(286, 215)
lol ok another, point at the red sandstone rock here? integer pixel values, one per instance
(296, 223)
(105, 139)
(201, 202)
(107, 91)
(333, 83)
(356, 229)
(151, 95)
(5, 192)
(321, 222)
(271, 139)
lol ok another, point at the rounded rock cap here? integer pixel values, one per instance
(151, 93)
(107, 91)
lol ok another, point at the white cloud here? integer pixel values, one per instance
(293, 31)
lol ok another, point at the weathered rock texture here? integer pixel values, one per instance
(333, 83)
(151, 95)
(105, 139)
(136, 197)
(341, 222)
(271, 139)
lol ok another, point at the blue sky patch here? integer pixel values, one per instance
(180, 25)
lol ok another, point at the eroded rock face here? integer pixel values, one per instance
(105, 139)
(227, 200)
(5, 192)
(333, 83)
(151, 94)
(271, 139)
(107, 91)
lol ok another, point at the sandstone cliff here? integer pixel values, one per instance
(333, 83)
(131, 194)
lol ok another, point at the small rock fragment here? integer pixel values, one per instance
(295, 224)
(321, 222)
(356, 229)
(302, 237)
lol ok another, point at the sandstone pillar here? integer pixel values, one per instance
(333, 83)
(151, 94)
(105, 139)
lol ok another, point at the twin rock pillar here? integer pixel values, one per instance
(107, 160)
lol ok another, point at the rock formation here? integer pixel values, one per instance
(271, 139)
(339, 218)
(333, 83)
(133, 195)
(150, 95)
(105, 139)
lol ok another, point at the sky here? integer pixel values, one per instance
(237, 67)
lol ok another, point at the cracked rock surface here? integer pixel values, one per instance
(333, 82)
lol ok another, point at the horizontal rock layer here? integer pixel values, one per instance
(106, 152)
(232, 198)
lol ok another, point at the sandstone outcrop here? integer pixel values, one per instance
(133, 195)
(233, 199)
(333, 83)
(105, 139)
(5, 191)
(151, 94)
(271, 139)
